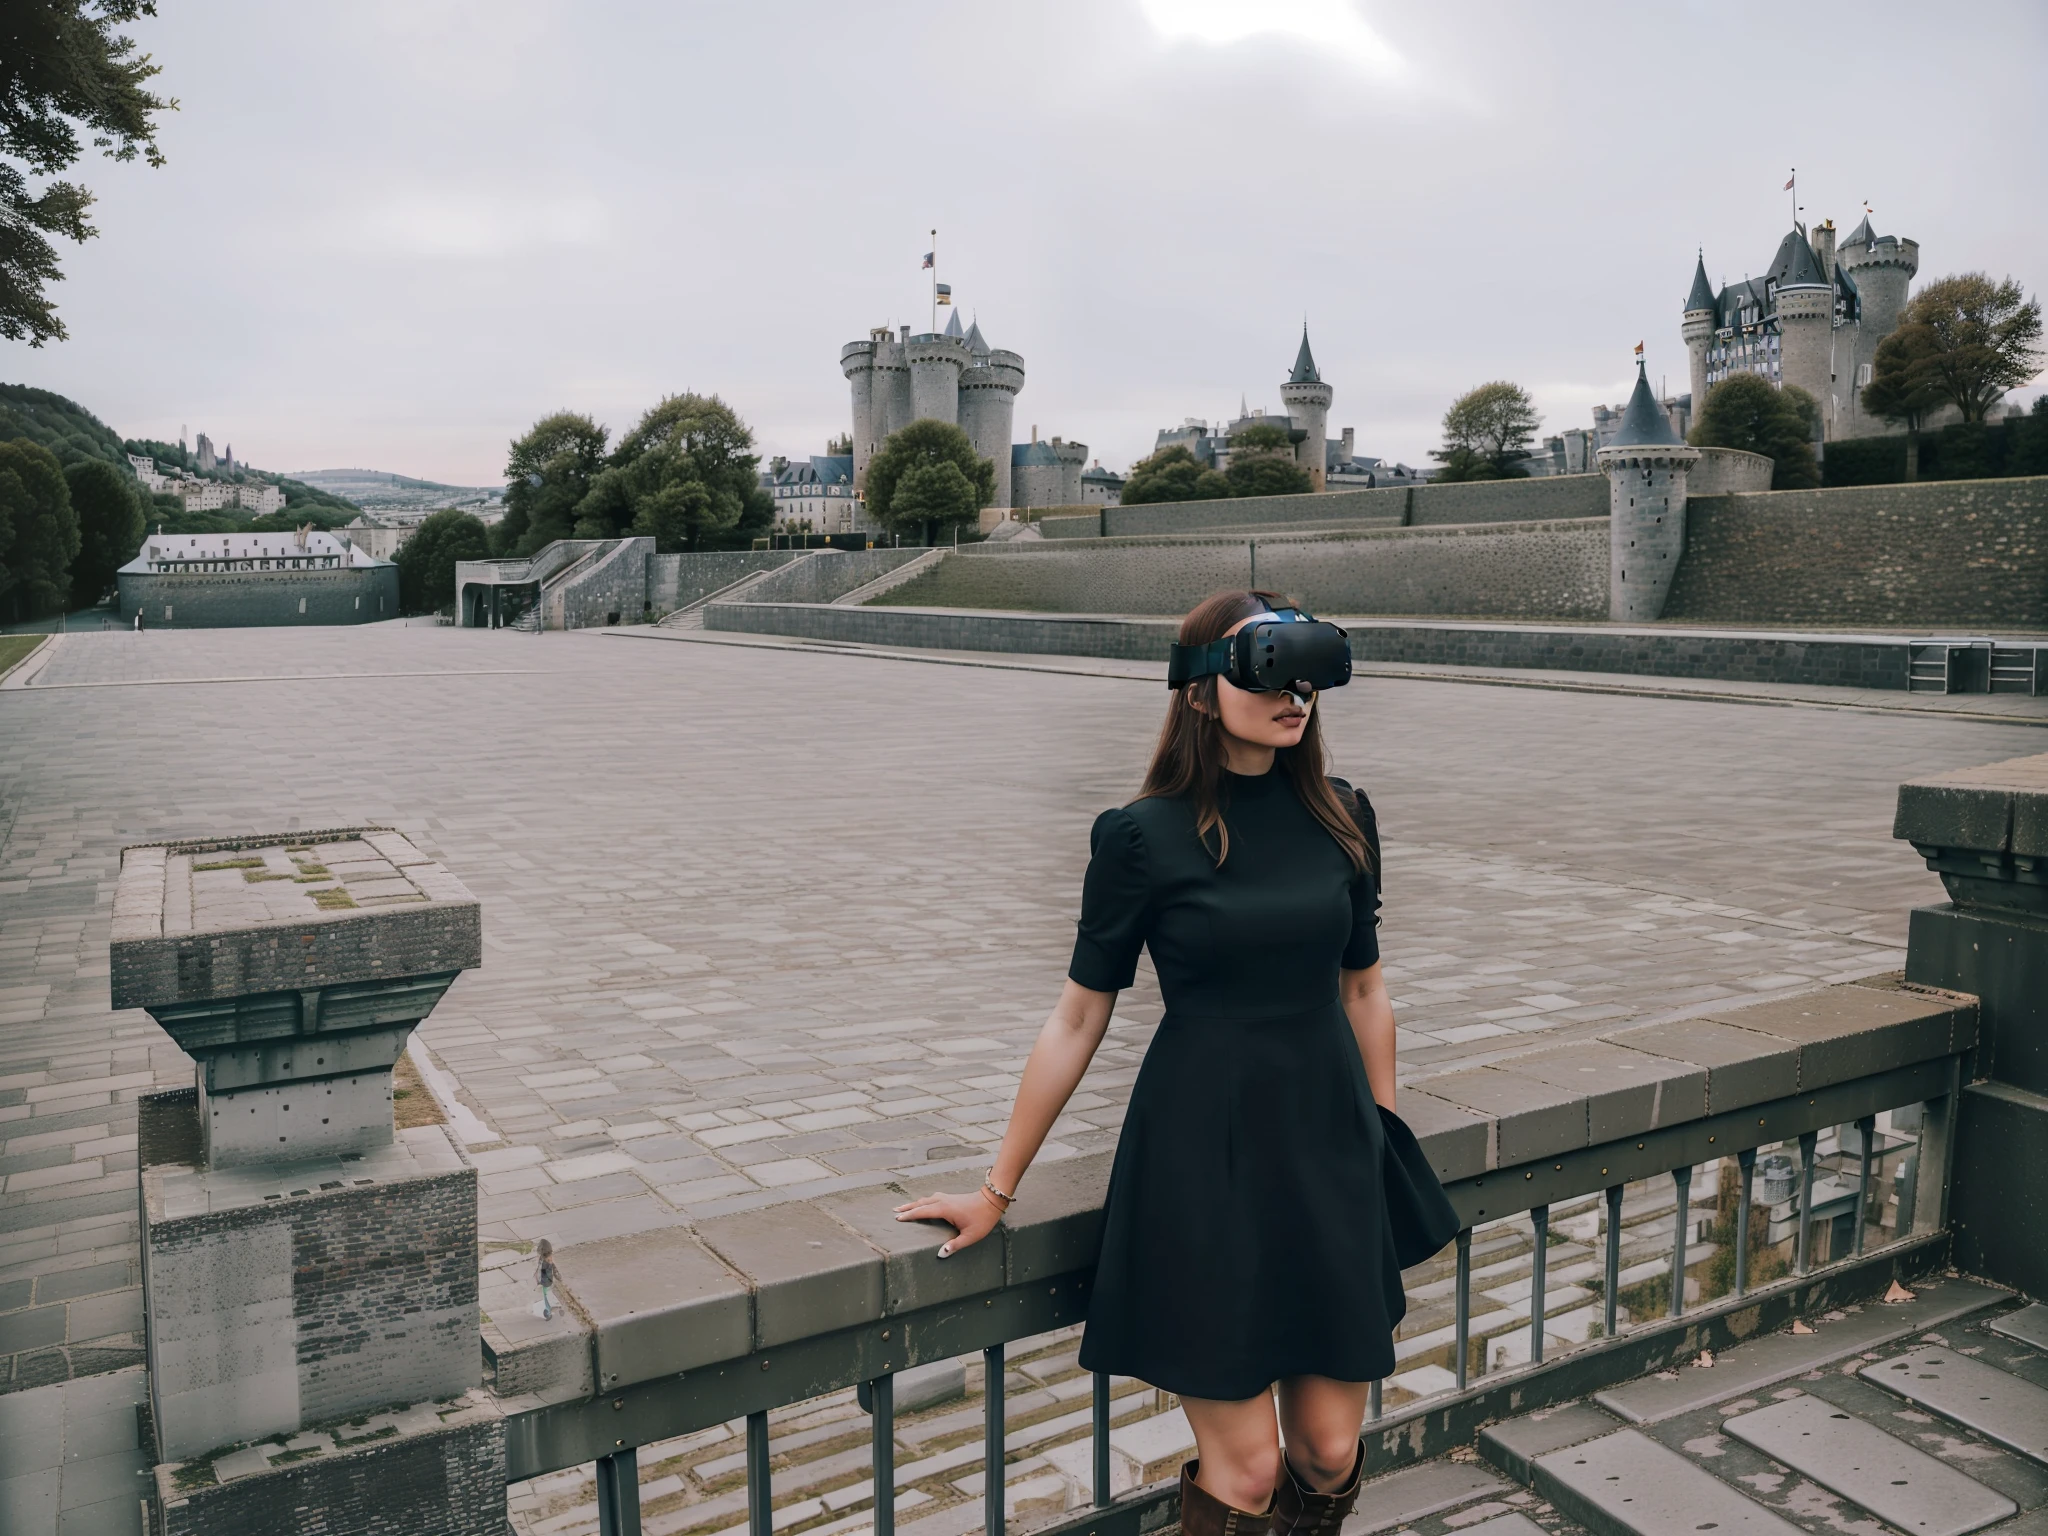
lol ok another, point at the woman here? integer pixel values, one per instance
(1264, 1197)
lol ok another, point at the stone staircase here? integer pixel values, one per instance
(691, 614)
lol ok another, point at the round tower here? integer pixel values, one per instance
(1307, 399)
(890, 410)
(1646, 466)
(988, 406)
(1882, 267)
(1702, 313)
(936, 363)
(1804, 301)
(857, 362)
(1073, 458)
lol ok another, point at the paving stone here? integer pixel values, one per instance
(1996, 1404)
(1514, 1445)
(2029, 1325)
(1386, 1503)
(1910, 1489)
(1627, 1482)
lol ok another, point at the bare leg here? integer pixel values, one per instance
(1321, 1419)
(1238, 1444)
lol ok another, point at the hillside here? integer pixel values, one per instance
(64, 427)
(379, 490)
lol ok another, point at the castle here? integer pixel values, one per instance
(1814, 319)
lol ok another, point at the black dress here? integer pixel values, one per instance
(1261, 1205)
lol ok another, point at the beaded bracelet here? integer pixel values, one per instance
(988, 1182)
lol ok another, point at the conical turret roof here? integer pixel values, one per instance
(1702, 295)
(1304, 363)
(1796, 266)
(975, 344)
(953, 325)
(1862, 234)
(1644, 424)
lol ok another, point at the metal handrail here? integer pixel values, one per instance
(609, 1427)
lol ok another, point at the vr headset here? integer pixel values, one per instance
(1288, 651)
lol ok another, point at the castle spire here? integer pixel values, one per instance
(1304, 362)
(1643, 423)
(1702, 295)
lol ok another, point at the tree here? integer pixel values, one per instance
(1262, 463)
(1172, 474)
(64, 70)
(108, 505)
(1487, 432)
(931, 501)
(426, 561)
(686, 476)
(1974, 340)
(549, 471)
(1901, 386)
(1747, 411)
(38, 531)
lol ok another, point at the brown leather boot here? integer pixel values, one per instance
(1203, 1514)
(1298, 1510)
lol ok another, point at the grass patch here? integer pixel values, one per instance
(229, 864)
(308, 870)
(412, 1105)
(14, 649)
(333, 899)
(258, 876)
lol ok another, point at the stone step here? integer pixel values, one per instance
(1994, 1403)
(2028, 1326)
(1778, 1356)
(1415, 1493)
(1907, 1488)
(1626, 1484)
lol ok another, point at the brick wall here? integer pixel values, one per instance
(1537, 570)
(1948, 553)
(240, 600)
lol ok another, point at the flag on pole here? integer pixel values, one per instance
(1788, 185)
(928, 255)
(943, 293)
(1639, 349)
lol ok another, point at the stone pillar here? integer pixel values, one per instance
(304, 1265)
(1646, 525)
(1985, 832)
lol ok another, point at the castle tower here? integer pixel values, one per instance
(988, 403)
(1805, 301)
(1307, 399)
(1882, 268)
(857, 362)
(892, 384)
(936, 363)
(1702, 311)
(1073, 459)
(1646, 466)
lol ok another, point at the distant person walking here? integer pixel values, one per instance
(545, 1273)
(1264, 1197)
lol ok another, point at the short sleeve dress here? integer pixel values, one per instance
(1261, 1206)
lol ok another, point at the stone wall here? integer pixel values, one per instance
(1725, 471)
(1417, 506)
(1536, 570)
(1947, 553)
(676, 581)
(1032, 634)
(827, 574)
(249, 599)
(614, 583)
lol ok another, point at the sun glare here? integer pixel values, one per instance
(1333, 27)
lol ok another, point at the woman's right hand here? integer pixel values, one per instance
(972, 1217)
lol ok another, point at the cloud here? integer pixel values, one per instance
(463, 224)
(1333, 27)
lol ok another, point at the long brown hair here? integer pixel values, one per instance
(1190, 757)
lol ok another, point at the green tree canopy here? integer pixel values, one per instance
(1747, 411)
(63, 426)
(426, 561)
(1172, 474)
(1963, 341)
(108, 504)
(66, 75)
(1262, 463)
(1487, 432)
(38, 531)
(549, 471)
(929, 501)
(687, 476)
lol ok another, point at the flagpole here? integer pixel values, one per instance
(1792, 186)
(935, 280)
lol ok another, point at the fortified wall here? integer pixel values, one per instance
(237, 600)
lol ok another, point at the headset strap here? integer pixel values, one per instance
(1185, 663)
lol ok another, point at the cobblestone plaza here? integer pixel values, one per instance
(762, 923)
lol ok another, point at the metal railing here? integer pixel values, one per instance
(867, 1358)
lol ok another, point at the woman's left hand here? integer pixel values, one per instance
(972, 1217)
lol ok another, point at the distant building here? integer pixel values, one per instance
(237, 580)
(380, 540)
(204, 456)
(815, 495)
(1101, 487)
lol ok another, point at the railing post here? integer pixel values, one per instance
(1747, 1162)
(1612, 1282)
(618, 1494)
(760, 1497)
(1538, 1281)
(1936, 1154)
(1101, 1438)
(992, 1440)
(1808, 1140)
(1372, 1402)
(882, 1394)
(1682, 1177)
(1462, 1290)
(1865, 1129)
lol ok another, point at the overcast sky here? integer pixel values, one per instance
(392, 233)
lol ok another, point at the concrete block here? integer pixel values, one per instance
(1055, 1225)
(1851, 1031)
(1627, 1092)
(1532, 1119)
(1744, 1065)
(913, 1273)
(658, 1302)
(1457, 1142)
(809, 1273)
